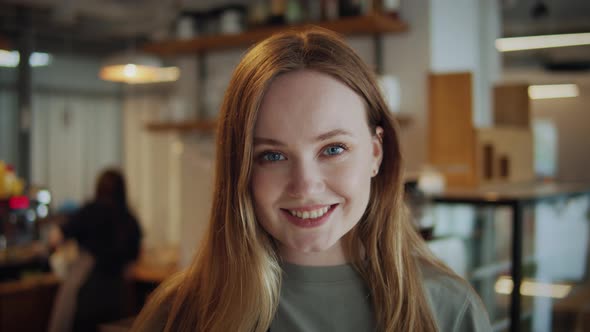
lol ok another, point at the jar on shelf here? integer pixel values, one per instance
(232, 19)
(258, 13)
(185, 26)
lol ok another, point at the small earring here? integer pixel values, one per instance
(375, 171)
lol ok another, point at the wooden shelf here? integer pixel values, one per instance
(209, 126)
(368, 24)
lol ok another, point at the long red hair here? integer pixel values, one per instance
(234, 282)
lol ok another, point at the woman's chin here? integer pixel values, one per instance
(312, 252)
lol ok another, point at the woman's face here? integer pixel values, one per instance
(314, 156)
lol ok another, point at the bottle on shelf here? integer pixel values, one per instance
(294, 12)
(330, 10)
(258, 13)
(349, 8)
(277, 12)
(313, 10)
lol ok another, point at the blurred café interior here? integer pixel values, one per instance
(491, 99)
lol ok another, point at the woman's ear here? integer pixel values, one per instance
(377, 149)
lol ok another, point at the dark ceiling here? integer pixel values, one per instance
(101, 27)
(535, 17)
(83, 26)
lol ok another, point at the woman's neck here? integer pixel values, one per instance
(335, 255)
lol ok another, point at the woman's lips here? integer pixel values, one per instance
(309, 222)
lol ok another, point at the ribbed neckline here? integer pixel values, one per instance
(319, 273)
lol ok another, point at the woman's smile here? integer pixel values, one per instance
(309, 216)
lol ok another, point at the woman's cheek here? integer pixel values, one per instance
(350, 175)
(266, 181)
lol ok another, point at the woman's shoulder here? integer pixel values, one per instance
(154, 315)
(455, 304)
(439, 282)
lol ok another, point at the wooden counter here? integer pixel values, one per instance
(156, 264)
(25, 305)
(154, 274)
(153, 265)
(23, 259)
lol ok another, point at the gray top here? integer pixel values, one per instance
(332, 298)
(335, 298)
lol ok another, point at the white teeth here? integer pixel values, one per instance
(310, 214)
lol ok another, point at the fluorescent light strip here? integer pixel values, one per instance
(11, 59)
(553, 91)
(504, 285)
(545, 41)
(38, 59)
(8, 58)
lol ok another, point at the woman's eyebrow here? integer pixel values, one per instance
(322, 137)
(333, 133)
(267, 141)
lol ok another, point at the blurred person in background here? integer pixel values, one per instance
(109, 238)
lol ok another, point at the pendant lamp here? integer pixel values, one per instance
(137, 68)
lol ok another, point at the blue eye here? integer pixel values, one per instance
(334, 150)
(272, 156)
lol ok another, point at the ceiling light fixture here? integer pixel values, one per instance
(551, 91)
(544, 41)
(134, 68)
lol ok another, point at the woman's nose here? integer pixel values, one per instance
(306, 180)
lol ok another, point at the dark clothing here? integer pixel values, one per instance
(101, 299)
(112, 237)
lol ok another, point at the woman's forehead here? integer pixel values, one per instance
(309, 103)
(308, 88)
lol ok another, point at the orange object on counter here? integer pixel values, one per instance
(2, 175)
(10, 184)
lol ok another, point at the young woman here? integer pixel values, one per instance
(308, 228)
